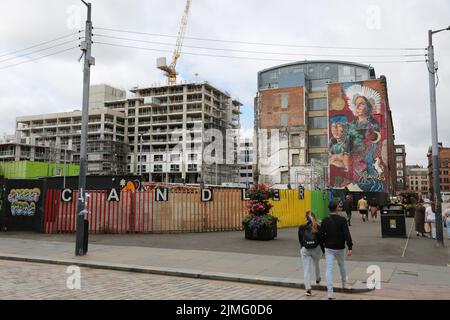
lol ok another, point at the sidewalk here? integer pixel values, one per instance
(398, 280)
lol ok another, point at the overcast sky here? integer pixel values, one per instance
(54, 84)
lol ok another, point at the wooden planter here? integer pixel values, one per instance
(263, 233)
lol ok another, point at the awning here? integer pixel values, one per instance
(352, 187)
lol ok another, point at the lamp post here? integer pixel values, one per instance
(81, 245)
(434, 136)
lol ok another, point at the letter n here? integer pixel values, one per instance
(161, 194)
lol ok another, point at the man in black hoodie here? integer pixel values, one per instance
(335, 233)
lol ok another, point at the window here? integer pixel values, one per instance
(319, 85)
(284, 177)
(399, 173)
(317, 104)
(318, 141)
(174, 167)
(399, 150)
(284, 100)
(192, 157)
(175, 157)
(192, 167)
(295, 159)
(158, 157)
(317, 122)
(247, 156)
(296, 142)
(284, 120)
(399, 158)
(318, 156)
(399, 165)
(157, 168)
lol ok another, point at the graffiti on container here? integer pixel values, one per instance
(130, 185)
(23, 201)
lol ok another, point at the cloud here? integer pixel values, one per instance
(54, 84)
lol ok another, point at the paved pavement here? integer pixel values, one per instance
(368, 243)
(212, 256)
(31, 281)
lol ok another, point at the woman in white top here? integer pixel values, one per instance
(430, 217)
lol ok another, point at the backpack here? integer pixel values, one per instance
(310, 240)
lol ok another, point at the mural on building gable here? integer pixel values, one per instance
(357, 124)
(24, 201)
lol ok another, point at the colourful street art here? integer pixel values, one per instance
(24, 201)
(357, 147)
(130, 185)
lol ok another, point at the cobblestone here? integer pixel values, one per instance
(30, 281)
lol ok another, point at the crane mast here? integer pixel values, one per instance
(170, 71)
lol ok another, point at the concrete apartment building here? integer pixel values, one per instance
(106, 145)
(160, 133)
(14, 152)
(444, 163)
(168, 129)
(417, 178)
(293, 99)
(100, 93)
(400, 164)
(246, 161)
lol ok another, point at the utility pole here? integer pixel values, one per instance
(434, 136)
(81, 238)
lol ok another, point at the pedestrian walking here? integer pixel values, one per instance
(363, 208)
(373, 206)
(430, 218)
(335, 233)
(419, 219)
(446, 218)
(311, 249)
(348, 204)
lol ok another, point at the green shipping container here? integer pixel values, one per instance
(31, 169)
(319, 204)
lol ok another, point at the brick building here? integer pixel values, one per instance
(292, 122)
(444, 163)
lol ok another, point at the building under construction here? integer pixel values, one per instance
(170, 128)
(60, 133)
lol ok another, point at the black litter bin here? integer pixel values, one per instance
(393, 222)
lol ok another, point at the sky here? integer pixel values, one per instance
(54, 84)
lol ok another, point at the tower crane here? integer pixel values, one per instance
(169, 70)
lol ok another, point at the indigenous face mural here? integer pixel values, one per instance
(357, 148)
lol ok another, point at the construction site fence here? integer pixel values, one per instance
(184, 212)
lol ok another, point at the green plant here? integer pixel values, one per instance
(259, 208)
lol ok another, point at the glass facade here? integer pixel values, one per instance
(323, 157)
(316, 73)
(318, 141)
(317, 104)
(317, 122)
